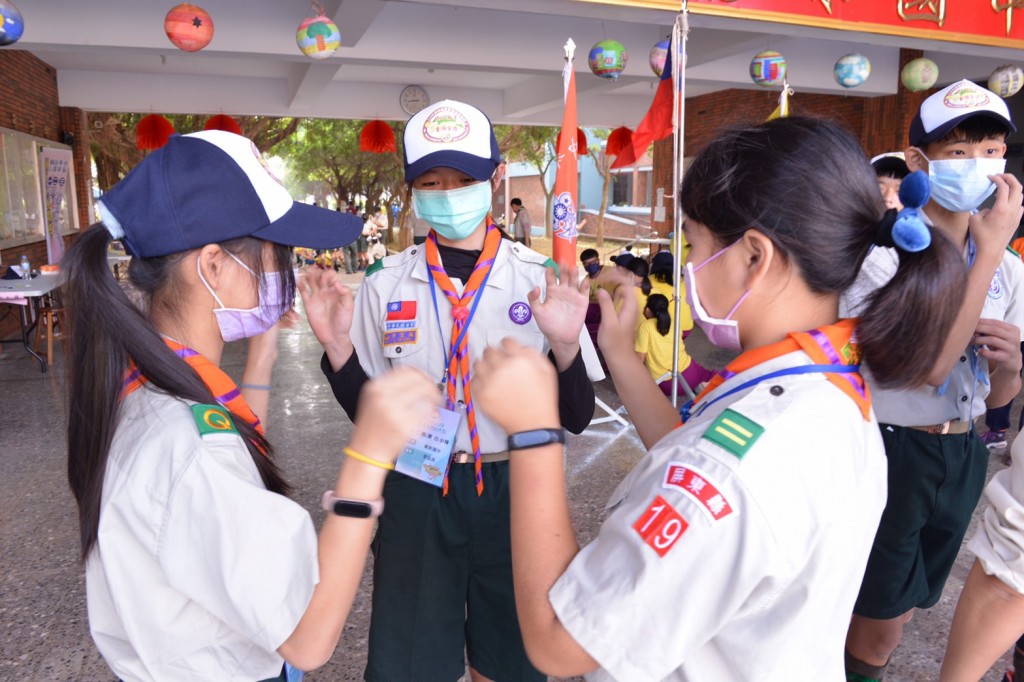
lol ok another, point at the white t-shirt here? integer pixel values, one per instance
(739, 561)
(999, 540)
(199, 572)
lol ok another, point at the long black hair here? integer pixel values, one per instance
(640, 268)
(110, 333)
(658, 305)
(806, 184)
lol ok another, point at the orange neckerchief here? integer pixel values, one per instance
(458, 355)
(832, 344)
(219, 383)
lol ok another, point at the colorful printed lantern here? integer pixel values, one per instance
(12, 24)
(318, 37)
(608, 59)
(919, 74)
(852, 70)
(189, 27)
(1007, 80)
(768, 69)
(658, 55)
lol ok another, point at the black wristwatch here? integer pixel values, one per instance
(357, 509)
(535, 439)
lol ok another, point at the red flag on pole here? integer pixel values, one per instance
(657, 123)
(563, 204)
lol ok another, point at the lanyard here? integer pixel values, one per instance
(686, 411)
(437, 315)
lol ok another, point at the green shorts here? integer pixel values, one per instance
(935, 482)
(442, 582)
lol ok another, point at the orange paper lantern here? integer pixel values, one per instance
(581, 142)
(377, 137)
(153, 132)
(223, 122)
(189, 27)
(619, 139)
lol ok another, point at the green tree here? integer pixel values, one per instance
(533, 145)
(603, 162)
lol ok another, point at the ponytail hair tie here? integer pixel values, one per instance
(906, 230)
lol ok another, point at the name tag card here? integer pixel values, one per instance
(429, 453)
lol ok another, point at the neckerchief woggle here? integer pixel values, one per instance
(816, 343)
(457, 357)
(224, 390)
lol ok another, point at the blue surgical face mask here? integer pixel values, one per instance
(453, 213)
(592, 269)
(960, 185)
(239, 323)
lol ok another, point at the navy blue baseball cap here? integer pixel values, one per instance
(453, 135)
(210, 187)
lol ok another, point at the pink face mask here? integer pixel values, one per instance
(724, 333)
(238, 323)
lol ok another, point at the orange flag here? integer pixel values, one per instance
(563, 204)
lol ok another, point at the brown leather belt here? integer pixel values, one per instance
(463, 457)
(950, 427)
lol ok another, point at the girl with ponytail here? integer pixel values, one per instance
(735, 548)
(197, 564)
(654, 345)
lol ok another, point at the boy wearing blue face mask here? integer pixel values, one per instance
(937, 463)
(442, 571)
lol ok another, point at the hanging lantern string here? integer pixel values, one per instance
(318, 8)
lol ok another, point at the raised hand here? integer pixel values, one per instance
(992, 228)
(329, 308)
(392, 408)
(515, 375)
(563, 310)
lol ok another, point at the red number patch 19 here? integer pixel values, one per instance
(660, 526)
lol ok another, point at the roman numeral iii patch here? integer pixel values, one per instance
(734, 432)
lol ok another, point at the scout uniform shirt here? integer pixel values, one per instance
(199, 572)
(395, 322)
(736, 548)
(963, 398)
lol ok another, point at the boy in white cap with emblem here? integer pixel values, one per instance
(733, 551)
(936, 460)
(442, 570)
(197, 565)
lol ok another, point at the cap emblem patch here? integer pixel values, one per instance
(966, 96)
(446, 125)
(263, 162)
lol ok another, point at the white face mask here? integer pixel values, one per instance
(960, 185)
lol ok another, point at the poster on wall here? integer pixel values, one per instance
(55, 164)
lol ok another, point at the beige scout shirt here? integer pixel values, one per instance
(740, 562)
(999, 540)
(421, 341)
(199, 572)
(964, 399)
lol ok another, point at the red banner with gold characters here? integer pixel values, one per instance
(997, 23)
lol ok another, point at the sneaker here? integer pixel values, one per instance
(994, 440)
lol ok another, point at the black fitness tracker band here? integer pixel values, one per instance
(356, 509)
(535, 439)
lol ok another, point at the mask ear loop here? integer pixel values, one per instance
(199, 271)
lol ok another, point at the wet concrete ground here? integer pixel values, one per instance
(44, 633)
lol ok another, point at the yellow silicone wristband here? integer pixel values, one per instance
(349, 452)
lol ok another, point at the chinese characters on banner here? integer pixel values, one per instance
(55, 163)
(979, 22)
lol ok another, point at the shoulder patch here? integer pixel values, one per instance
(734, 433)
(1010, 249)
(212, 419)
(374, 267)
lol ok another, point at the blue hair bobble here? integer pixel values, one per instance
(906, 230)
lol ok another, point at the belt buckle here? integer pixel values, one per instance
(940, 429)
(462, 457)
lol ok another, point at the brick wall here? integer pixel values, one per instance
(531, 191)
(29, 104)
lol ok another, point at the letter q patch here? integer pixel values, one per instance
(660, 526)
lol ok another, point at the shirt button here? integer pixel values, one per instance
(963, 399)
(777, 390)
(398, 349)
(963, 358)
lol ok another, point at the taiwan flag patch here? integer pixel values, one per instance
(401, 310)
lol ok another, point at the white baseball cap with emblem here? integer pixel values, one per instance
(947, 108)
(450, 134)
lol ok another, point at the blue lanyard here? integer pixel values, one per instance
(686, 410)
(472, 312)
(972, 350)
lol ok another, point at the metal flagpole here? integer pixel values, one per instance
(677, 47)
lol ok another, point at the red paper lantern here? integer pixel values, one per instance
(377, 137)
(223, 122)
(189, 27)
(581, 142)
(153, 132)
(619, 139)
